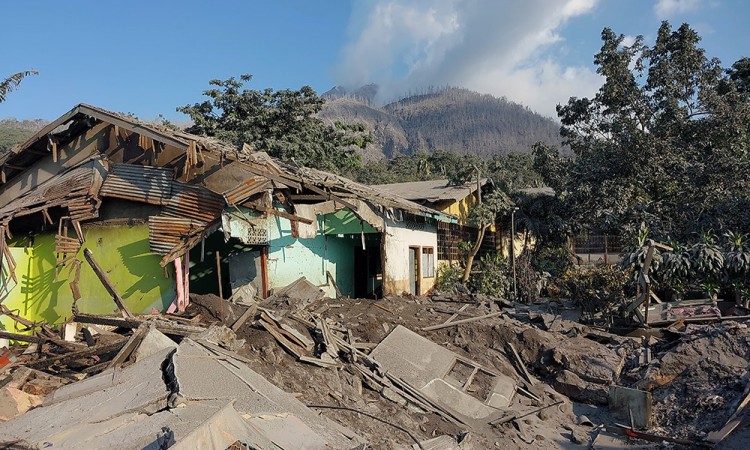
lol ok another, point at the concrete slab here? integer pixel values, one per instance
(139, 388)
(203, 374)
(153, 342)
(457, 384)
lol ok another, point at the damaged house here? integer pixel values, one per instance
(99, 205)
(455, 201)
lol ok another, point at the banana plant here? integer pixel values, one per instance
(708, 257)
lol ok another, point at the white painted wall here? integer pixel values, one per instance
(399, 236)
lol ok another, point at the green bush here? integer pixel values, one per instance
(448, 278)
(596, 289)
(553, 260)
(492, 278)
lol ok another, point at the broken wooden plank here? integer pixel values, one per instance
(171, 329)
(331, 196)
(130, 346)
(107, 284)
(283, 214)
(456, 314)
(21, 337)
(249, 312)
(335, 286)
(520, 363)
(733, 422)
(85, 353)
(459, 322)
(290, 346)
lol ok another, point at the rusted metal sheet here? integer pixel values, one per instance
(247, 189)
(145, 184)
(71, 189)
(165, 233)
(194, 202)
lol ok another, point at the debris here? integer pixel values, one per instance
(300, 289)
(460, 322)
(520, 415)
(466, 389)
(14, 402)
(633, 404)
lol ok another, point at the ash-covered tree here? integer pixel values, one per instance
(283, 123)
(665, 141)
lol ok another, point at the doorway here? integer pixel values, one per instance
(414, 278)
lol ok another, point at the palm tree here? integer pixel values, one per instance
(11, 83)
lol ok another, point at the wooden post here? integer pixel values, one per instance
(107, 284)
(218, 276)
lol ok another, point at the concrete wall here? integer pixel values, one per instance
(290, 258)
(122, 251)
(399, 236)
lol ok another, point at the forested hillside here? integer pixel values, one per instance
(452, 119)
(14, 131)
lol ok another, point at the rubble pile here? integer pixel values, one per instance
(400, 372)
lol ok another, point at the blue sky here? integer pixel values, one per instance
(148, 57)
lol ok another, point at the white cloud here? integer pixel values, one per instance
(502, 48)
(664, 9)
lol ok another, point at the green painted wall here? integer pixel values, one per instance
(122, 251)
(345, 222)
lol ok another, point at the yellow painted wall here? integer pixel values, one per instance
(122, 251)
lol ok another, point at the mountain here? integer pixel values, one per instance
(14, 131)
(452, 119)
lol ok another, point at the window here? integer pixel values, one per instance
(428, 262)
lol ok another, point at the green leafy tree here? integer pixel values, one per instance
(282, 123)
(655, 144)
(483, 215)
(11, 83)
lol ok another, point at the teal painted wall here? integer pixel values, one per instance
(344, 222)
(122, 251)
(290, 258)
(332, 248)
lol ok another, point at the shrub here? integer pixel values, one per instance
(553, 260)
(527, 279)
(492, 278)
(448, 278)
(596, 289)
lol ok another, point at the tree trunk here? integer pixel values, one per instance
(473, 253)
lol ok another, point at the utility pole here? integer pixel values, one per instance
(513, 250)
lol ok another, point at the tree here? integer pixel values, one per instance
(282, 123)
(483, 215)
(11, 83)
(655, 144)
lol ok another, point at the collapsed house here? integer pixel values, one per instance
(100, 205)
(455, 200)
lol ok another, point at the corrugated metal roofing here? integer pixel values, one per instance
(194, 202)
(432, 190)
(72, 189)
(165, 233)
(139, 183)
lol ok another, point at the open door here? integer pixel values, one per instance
(414, 277)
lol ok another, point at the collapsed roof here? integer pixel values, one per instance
(97, 154)
(432, 190)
